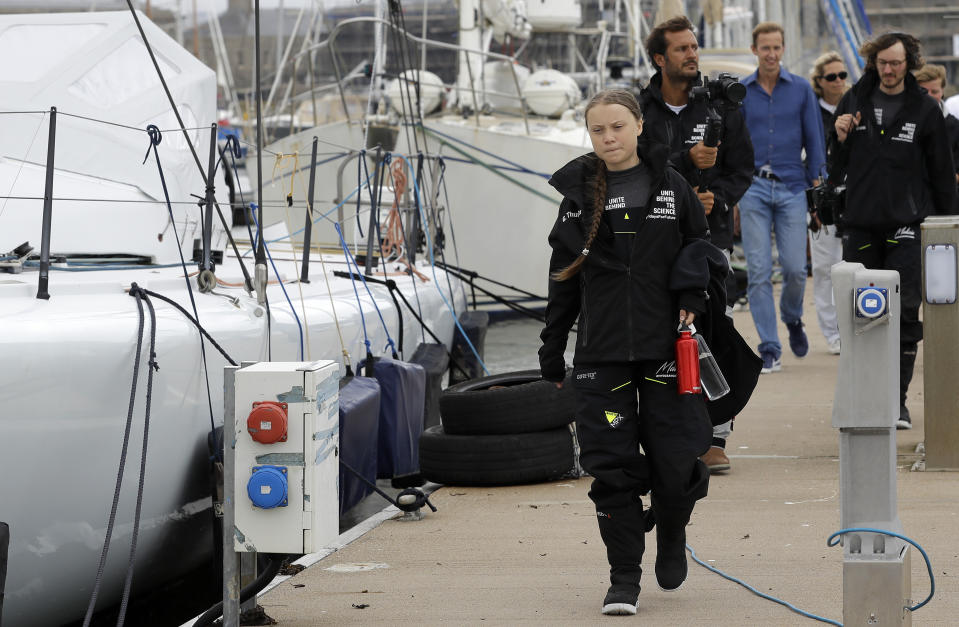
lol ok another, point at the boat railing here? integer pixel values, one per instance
(511, 61)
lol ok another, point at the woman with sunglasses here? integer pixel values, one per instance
(825, 246)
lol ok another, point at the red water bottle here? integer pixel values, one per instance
(687, 362)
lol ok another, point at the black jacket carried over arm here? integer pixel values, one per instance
(898, 173)
(702, 266)
(626, 312)
(728, 179)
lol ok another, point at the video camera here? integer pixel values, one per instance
(726, 92)
(827, 202)
(724, 89)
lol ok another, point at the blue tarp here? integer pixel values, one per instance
(403, 387)
(359, 429)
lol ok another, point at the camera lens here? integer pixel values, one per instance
(735, 91)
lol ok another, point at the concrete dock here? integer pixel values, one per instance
(532, 554)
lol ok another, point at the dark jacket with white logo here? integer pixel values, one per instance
(898, 173)
(728, 179)
(626, 312)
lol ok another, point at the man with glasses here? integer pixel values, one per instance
(890, 145)
(783, 120)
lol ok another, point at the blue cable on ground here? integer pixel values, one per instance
(757, 592)
(832, 541)
(429, 246)
(252, 208)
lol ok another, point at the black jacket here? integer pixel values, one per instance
(728, 179)
(626, 312)
(896, 174)
(702, 266)
(952, 130)
(828, 122)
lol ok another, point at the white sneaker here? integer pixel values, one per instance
(834, 347)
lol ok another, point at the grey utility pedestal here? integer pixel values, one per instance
(940, 352)
(876, 567)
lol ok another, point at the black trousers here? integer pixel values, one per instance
(900, 250)
(623, 406)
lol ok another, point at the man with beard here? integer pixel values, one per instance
(719, 174)
(891, 145)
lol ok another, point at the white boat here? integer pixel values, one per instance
(67, 361)
(503, 130)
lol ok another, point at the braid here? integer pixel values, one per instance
(599, 203)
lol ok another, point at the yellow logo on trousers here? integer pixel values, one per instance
(614, 418)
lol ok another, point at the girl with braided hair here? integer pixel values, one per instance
(624, 217)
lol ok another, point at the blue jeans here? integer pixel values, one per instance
(768, 206)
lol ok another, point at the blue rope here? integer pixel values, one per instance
(252, 208)
(429, 246)
(349, 258)
(832, 541)
(359, 303)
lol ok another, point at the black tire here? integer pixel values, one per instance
(522, 402)
(473, 460)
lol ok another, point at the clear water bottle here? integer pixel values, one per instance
(711, 377)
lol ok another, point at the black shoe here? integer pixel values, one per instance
(671, 566)
(905, 421)
(798, 341)
(620, 602)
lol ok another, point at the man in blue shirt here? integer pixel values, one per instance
(783, 119)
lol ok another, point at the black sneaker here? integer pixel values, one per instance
(620, 602)
(798, 341)
(905, 421)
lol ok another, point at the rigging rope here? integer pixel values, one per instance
(259, 236)
(153, 366)
(22, 162)
(389, 338)
(135, 292)
(155, 138)
(429, 246)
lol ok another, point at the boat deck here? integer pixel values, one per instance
(532, 554)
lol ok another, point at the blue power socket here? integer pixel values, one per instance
(871, 302)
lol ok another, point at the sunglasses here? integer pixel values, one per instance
(831, 77)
